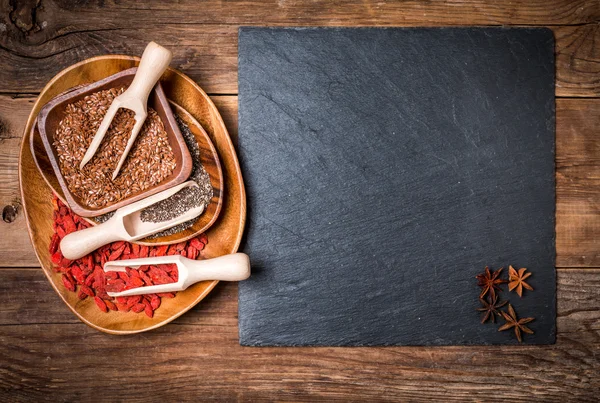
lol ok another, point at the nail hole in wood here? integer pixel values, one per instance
(9, 213)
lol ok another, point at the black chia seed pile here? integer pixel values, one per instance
(183, 200)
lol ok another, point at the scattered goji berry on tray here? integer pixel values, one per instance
(86, 278)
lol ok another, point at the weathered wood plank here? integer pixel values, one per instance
(578, 60)
(578, 179)
(350, 12)
(577, 183)
(15, 247)
(204, 38)
(41, 342)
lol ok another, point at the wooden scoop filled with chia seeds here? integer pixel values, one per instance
(127, 224)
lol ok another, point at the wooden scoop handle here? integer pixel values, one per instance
(79, 243)
(155, 61)
(234, 267)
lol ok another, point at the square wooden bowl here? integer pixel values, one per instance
(54, 111)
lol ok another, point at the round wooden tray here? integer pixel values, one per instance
(224, 235)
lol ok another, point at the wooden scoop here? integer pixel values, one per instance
(153, 64)
(234, 267)
(125, 225)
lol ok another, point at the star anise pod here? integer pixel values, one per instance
(489, 282)
(517, 280)
(518, 324)
(491, 308)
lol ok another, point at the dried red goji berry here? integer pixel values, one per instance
(69, 276)
(115, 286)
(147, 280)
(144, 250)
(162, 250)
(167, 267)
(166, 294)
(99, 276)
(155, 301)
(81, 295)
(100, 292)
(133, 273)
(110, 305)
(66, 262)
(90, 262)
(100, 303)
(192, 252)
(137, 308)
(116, 254)
(136, 282)
(87, 290)
(69, 224)
(69, 285)
(54, 241)
(195, 242)
(148, 311)
(122, 307)
(85, 268)
(56, 257)
(134, 299)
(116, 245)
(159, 277)
(89, 280)
(61, 232)
(78, 274)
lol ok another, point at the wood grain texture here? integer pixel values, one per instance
(15, 247)
(578, 179)
(577, 182)
(46, 354)
(204, 39)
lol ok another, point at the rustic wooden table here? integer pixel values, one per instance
(47, 354)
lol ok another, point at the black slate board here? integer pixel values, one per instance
(385, 168)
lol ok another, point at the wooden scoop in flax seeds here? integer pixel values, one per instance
(150, 161)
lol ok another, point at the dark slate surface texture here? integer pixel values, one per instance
(384, 169)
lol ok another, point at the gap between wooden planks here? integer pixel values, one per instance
(38, 42)
(199, 352)
(577, 176)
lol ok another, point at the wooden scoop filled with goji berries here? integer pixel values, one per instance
(160, 274)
